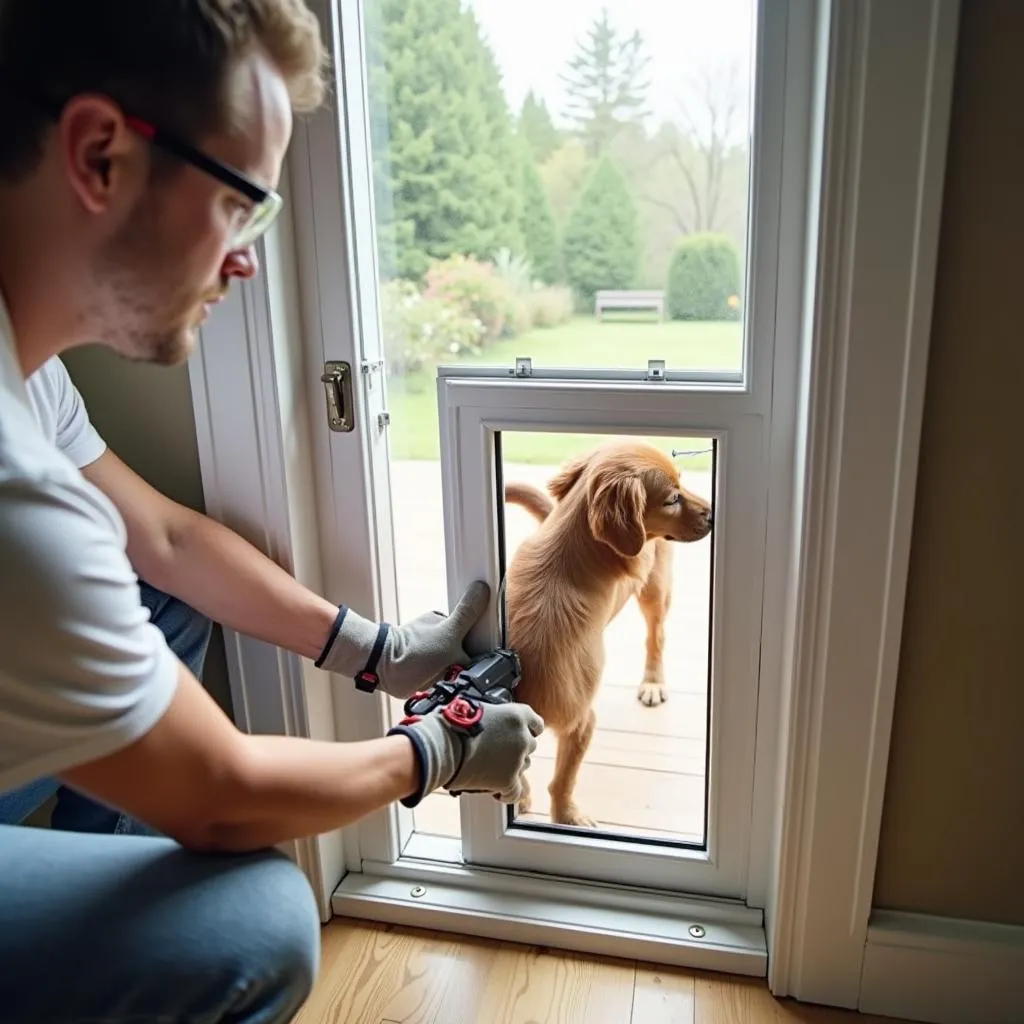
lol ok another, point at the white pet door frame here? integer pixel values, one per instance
(474, 411)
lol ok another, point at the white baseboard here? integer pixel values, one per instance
(943, 970)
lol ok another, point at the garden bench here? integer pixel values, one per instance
(629, 300)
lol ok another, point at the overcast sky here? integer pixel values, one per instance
(534, 39)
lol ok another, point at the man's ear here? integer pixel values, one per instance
(566, 479)
(97, 149)
(616, 512)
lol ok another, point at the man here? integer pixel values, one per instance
(141, 147)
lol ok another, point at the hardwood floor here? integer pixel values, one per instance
(372, 974)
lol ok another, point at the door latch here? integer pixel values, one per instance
(337, 381)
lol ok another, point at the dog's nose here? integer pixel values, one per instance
(710, 517)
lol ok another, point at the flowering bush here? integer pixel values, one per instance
(476, 291)
(420, 330)
(549, 305)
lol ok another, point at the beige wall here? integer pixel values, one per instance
(145, 415)
(953, 824)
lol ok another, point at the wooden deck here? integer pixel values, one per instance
(645, 770)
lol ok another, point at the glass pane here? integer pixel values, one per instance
(565, 181)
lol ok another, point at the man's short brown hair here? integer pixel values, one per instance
(167, 61)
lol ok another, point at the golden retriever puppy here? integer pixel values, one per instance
(602, 540)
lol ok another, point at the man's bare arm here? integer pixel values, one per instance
(195, 777)
(210, 567)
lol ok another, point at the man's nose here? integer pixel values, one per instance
(242, 263)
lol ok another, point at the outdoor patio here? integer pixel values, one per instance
(645, 770)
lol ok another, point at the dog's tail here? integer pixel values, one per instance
(533, 499)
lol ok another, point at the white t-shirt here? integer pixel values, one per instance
(83, 672)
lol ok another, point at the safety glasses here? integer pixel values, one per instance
(266, 203)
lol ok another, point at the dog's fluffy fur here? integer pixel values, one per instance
(603, 537)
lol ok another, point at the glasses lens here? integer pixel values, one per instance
(259, 221)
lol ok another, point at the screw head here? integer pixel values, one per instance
(697, 931)
(417, 892)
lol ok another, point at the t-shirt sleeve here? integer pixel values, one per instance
(82, 670)
(77, 438)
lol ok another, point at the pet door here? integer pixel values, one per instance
(661, 795)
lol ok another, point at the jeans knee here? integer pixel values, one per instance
(287, 932)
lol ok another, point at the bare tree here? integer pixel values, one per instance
(711, 125)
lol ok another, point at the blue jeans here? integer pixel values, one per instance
(104, 928)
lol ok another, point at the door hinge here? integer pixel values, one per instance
(524, 367)
(337, 382)
(383, 420)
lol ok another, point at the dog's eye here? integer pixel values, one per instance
(674, 500)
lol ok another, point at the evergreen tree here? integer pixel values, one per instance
(601, 245)
(540, 239)
(606, 84)
(446, 175)
(537, 129)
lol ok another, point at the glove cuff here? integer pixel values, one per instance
(422, 761)
(354, 648)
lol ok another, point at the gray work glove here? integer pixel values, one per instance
(492, 761)
(403, 659)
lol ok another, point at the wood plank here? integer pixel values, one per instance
(684, 716)
(376, 974)
(363, 965)
(640, 800)
(723, 999)
(620, 748)
(663, 996)
(730, 1000)
(658, 804)
(534, 986)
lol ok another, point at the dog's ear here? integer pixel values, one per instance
(616, 512)
(566, 478)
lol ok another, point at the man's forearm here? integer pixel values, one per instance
(194, 776)
(223, 576)
(300, 788)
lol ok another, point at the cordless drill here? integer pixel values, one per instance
(490, 679)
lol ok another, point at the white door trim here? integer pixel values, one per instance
(887, 114)
(872, 245)
(943, 970)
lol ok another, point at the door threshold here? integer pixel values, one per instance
(600, 920)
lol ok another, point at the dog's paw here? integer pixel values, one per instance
(651, 694)
(573, 816)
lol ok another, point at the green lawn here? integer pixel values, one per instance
(412, 400)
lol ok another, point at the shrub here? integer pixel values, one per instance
(537, 226)
(550, 306)
(515, 271)
(420, 331)
(474, 290)
(704, 279)
(601, 242)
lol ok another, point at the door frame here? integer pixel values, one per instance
(885, 74)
